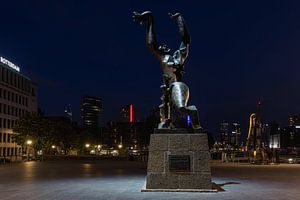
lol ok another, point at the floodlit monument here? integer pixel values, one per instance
(178, 154)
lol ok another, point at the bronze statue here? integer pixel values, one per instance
(175, 92)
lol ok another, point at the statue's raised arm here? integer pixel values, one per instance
(182, 53)
(147, 18)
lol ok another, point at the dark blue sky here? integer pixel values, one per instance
(241, 52)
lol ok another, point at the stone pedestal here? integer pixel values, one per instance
(178, 161)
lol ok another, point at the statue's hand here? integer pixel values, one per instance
(137, 17)
(140, 17)
(174, 16)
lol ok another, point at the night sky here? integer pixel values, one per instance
(242, 52)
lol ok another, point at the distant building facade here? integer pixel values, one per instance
(18, 96)
(286, 137)
(125, 133)
(91, 112)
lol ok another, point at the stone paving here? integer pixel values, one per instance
(113, 179)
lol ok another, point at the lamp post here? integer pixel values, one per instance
(53, 149)
(98, 149)
(28, 144)
(87, 147)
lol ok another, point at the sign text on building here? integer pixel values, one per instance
(10, 64)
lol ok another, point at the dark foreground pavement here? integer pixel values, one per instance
(114, 179)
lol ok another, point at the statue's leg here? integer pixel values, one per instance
(193, 113)
(165, 121)
(164, 108)
(179, 98)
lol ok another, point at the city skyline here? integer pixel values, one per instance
(240, 54)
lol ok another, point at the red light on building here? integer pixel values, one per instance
(131, 114)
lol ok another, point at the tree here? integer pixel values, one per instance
(62, 133)
(45, 132)
(32, 127)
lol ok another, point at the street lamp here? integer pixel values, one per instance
(28, 143)
(53, 149)
(120, 146)
(87, 145)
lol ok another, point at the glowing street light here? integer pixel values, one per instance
(99, 146)
(120, 146)
(53, 146)
(87, 145)
(28, 144)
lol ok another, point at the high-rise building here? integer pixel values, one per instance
(18, 96)
(290, 136)
(235, 135)
(273, 131)
(127, 113)
(230, 134)
(68, 113)
(294, 120)
(224, 133)
(91, 111)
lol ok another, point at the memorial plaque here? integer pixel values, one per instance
(179, 163)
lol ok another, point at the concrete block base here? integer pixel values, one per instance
(178, 162)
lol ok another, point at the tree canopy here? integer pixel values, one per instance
(45, 132)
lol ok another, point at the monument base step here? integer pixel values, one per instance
(177, 190)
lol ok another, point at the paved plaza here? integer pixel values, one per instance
(115, 179)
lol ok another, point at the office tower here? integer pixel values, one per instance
(18, 96)
(91, 111)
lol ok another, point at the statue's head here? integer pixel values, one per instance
(164, 48)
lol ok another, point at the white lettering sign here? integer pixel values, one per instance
(10, 64)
